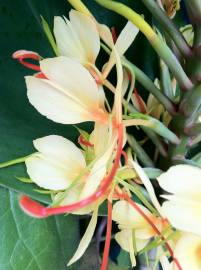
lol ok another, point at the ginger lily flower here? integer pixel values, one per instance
(182, 207)
(77, 38)
(69, 95)
(134, 228)
(188, 252)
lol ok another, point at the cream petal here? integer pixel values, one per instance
(47, 174)
(54, 104)
(125, 239)
(86, 29)
(147, 183)
(105, 35)
(98, 171)
(125, 215)
(182, 180)
(183, 214)
(68, 42)
(126, 37)
(73, 79)
(86, 239)
(188, 252)
(63, 151)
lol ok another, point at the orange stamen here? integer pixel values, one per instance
(23, 54)
(38, 210)
(81, 140)
(139, 101)
(108, 237)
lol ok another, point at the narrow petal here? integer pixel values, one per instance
(68, 42)
(188, 252)
(126, 37)
(87, 31)
(125, 239)
(47, 174)
(54, 104)
(147, 183)
(62, 151)
(182, 180)
(86, 239)
(183, 215)
(98, 171)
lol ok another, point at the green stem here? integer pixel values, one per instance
(139, 151)
(158, 44)
(147, 83)
(193, 8)
(13, 162)
(169, 27)
(193, 130)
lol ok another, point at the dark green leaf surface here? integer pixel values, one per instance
(34, 244)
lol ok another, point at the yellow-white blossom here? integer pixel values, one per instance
(69, 95)
(77, 38)
(183, 205)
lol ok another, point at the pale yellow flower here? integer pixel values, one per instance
(69, 95)
(77, 38)
(183, 205)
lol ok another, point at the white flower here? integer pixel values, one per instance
(77, 38)
(183, 207)
(69, 95)
(134, 228)
(188, 252)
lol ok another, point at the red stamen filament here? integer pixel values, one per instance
(108, 237)
(81, 140)
(38, 210)
(139, 101)
(40, 75)
(21, 55)
(137, 208)
(114, 34)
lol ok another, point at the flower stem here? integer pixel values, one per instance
(108, 237)
(169, 27)
(13, 162)
(158, 44)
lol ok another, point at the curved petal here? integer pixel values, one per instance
(86, 29)
(188, 252)
(54, 104)
(182, 180)
(125, 215)
(126, 37)
(72, 79)
(183, 214)
(47, 174)
(62, 151)
(86, 239)
(125, 239)
(147, 183)
(68, 42)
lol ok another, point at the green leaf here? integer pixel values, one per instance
(29, 243)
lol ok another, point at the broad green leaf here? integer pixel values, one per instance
(34, 244)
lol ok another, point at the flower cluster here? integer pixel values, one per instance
(71, 89)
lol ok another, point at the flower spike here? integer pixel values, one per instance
(23, 54)
(33, 208)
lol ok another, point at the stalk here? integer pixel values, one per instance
(169, 27)
(158, 44)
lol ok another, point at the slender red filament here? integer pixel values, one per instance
(40, 211)
(124, 154)
(138, 209)
(81, 140)
(40, 75)
(114, 34)
(139, 101)
(22, 54)
(108, 237)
